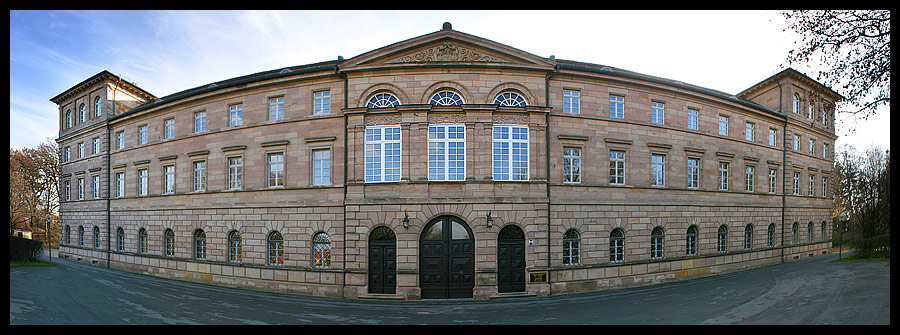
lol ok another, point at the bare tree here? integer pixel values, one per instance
(854, 46)
(862, 189)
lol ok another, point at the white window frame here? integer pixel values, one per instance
(723, 125)
(120, 140)
(773, 137)
(796, 183)
(95, 192)
(143, 136)
(235, 172)
(276, 108)
(513, 131)
(376, 154)
(275, 169)
(199, 175)
(120, 184)
(657, 170)
(444, 150)
(693, 119)
(571, 165)
(169, 179)
(80, 188)
(693, 172)
(723, 176)
(796, 142)
(616, 106)
(143, 183)
(749, 131)
(750, 176)
(811, 188)
(235, 115)
(199, 121)
(657, 112)
(169, 126)
(321, 102)
(571, 101)
(773, 176)
(321, 166)
(617, 165)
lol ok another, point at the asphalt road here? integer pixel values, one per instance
(810, 291)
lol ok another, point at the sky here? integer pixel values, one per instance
(165, 52)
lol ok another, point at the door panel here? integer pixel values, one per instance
(511, 260)
(447, 259)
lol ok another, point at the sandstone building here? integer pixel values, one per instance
(441, 166)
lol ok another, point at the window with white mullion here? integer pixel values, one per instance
(510, 152)
(571, 165)
(382, 154)
(446, 152)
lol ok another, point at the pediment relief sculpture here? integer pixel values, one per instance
(447, 52)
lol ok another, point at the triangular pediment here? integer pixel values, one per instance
(446, 47)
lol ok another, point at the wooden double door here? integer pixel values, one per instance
(447, 259)
(382, 261)
(510, 260)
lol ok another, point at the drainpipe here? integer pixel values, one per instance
(108, 180)
(337, 72)
(784, 166)
(547, 160)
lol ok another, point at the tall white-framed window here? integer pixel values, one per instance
(276, 108)
(235, 173)
(142, 182)
(120, 140)
(748, 131)
(235, 115)
(169, 127)
(796, 142)
(120, 184)
(97, 107)
(809, 111)
(571, 247)
(617, 167)
(811, 187)
(168, 179)
(772, 177)
(275, 163)
(657, 170)
(824, 116)
(693, 119)
(750, 174)
(795, 103)
(723, 125)
(383, 154)
(723, 176)
(812, 146)
(68, 190)
(617, 246)
(142, 134)
(616, 106)
(321, 102)
(80, 188)
(571, 101)
(96, 146)
(824, 151)
(199, 122)
(722, 240)
(81, 150)
(199, 176)
(691, 241)
(693, 173)
(510, 152)
(68, 118)
(96, 188)
(773, 134)
(447, 152)
(82, 114)
(657, 112)
(571, 165)
(120, 239)
(321, 166)
(825, 186)
(796, 183)
(67, 156)
(657, 239)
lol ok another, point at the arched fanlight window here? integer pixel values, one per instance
(657, 238)
(382, 100)
(748, 237)
(723, 239)
(691, 241)
(796, 103)
(571, 247)
(199, 244)
(617, 246)
(97, 106)
(169, 241)
(770, 235)
(321, 251)
(235, 249)
(510, 99)
(275, 248)
(446, 98)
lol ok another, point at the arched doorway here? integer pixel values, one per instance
(382, 261)
(510, 260)
(447, 259)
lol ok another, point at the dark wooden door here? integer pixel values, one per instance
(447, 259)
(382, 261)
(511, 260)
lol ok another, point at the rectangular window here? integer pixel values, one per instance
(723, 176)
(693, 173)
(658, 170)
(571, 101)
(824, 187)
(772, 177)
(67, 156)
(321, 102)
(96, 189)
(276, 169)
(142, 182)
(446, 152)
(750, 176)
(693, 119)
(572, 165)
(81, 150)
(510, 152)
(199, 176)
(235, 172)
(120, 184)
(796, 183)
(276, 108)
(657, 113)
(616, 106)
(120, 140)
(170, 128)
(235, 115)
(810, 187)
(199, 122)
(168, 179)
(748, 132)
(322, 167)
(617, 167)
(824, 151)
(383, 154)
(723, 125)
(142, 135)
(80, 188)
(796, 142)
(68, 190)
(773, 136)
(812, 147)
(96, 146)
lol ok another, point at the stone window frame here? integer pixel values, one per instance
(657, 112)
(143, 239)
(572, 243)
(235, 114)
(120, 239)
(617, 245)
(750, 178)
(654, 181)
(167, 178)
(279, 113)
(198, 244)
(657, 243)
(770, 235)
(510, 139)
(722, 239)
(446, 130)
(446, 97)
(235, 247)
(695, 117)
(321, 102)
(573, 96)
(381, 155)
(574, 175)
(169, 243)
(321, 247)
(748, 236)
(692, 238)
(274, 248)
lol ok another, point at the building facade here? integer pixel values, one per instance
(445, 166)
